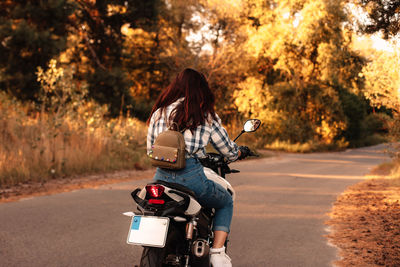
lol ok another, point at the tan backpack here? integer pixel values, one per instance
(168, 150)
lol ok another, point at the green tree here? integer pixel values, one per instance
(98, 24)
(31, 33)
(304, 59)
(153, 58)
(383, 16)
(221, 53)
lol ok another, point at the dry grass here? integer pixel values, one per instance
(35, 147)
(307, 147)
(395, 173)
(365, 224)
(289, 147)
(365, 220)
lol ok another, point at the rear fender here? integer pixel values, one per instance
(193, 207)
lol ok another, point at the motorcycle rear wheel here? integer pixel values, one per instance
(156, 257)
(153, 257)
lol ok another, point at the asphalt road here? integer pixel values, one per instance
(282, 203)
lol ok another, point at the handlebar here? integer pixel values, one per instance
(219, 164)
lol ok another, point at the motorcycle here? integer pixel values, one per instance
(173, 228)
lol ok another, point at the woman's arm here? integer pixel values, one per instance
(221, 141)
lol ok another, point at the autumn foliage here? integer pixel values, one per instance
(82, 75)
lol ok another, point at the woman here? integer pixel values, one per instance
(189, 103)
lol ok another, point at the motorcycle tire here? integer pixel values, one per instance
(156, 257)
(152, 257)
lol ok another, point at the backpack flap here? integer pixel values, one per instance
(164, 153)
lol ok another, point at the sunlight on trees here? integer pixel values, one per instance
(304, 61)
(379, 16)
(382, 80)
(298, 65)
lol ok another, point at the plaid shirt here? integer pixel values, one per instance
(211, 132)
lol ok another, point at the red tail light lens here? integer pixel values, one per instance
(156, 201)
(155, 190)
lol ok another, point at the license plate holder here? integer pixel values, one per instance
(148, 231)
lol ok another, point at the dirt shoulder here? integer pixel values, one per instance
(60, 185)
(365, 223)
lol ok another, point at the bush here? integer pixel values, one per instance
(310, 146)
(66, 135)
(355, 110)
(377, 123)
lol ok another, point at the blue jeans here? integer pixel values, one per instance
(208, 193)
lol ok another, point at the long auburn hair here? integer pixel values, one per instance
(195, 108)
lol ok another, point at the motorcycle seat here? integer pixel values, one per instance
(177, 187)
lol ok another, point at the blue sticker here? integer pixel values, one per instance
(136, 223)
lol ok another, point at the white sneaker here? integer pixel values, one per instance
(219, 258)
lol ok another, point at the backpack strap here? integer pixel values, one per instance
(172, 128)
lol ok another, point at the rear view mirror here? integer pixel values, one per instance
(251, 125)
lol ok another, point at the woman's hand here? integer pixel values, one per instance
(244, 152)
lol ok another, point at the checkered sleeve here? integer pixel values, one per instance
(150, 134)
(221, 141)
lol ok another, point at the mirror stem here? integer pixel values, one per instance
(239, 135)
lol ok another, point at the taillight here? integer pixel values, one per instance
(156, 201)
(155, 190)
